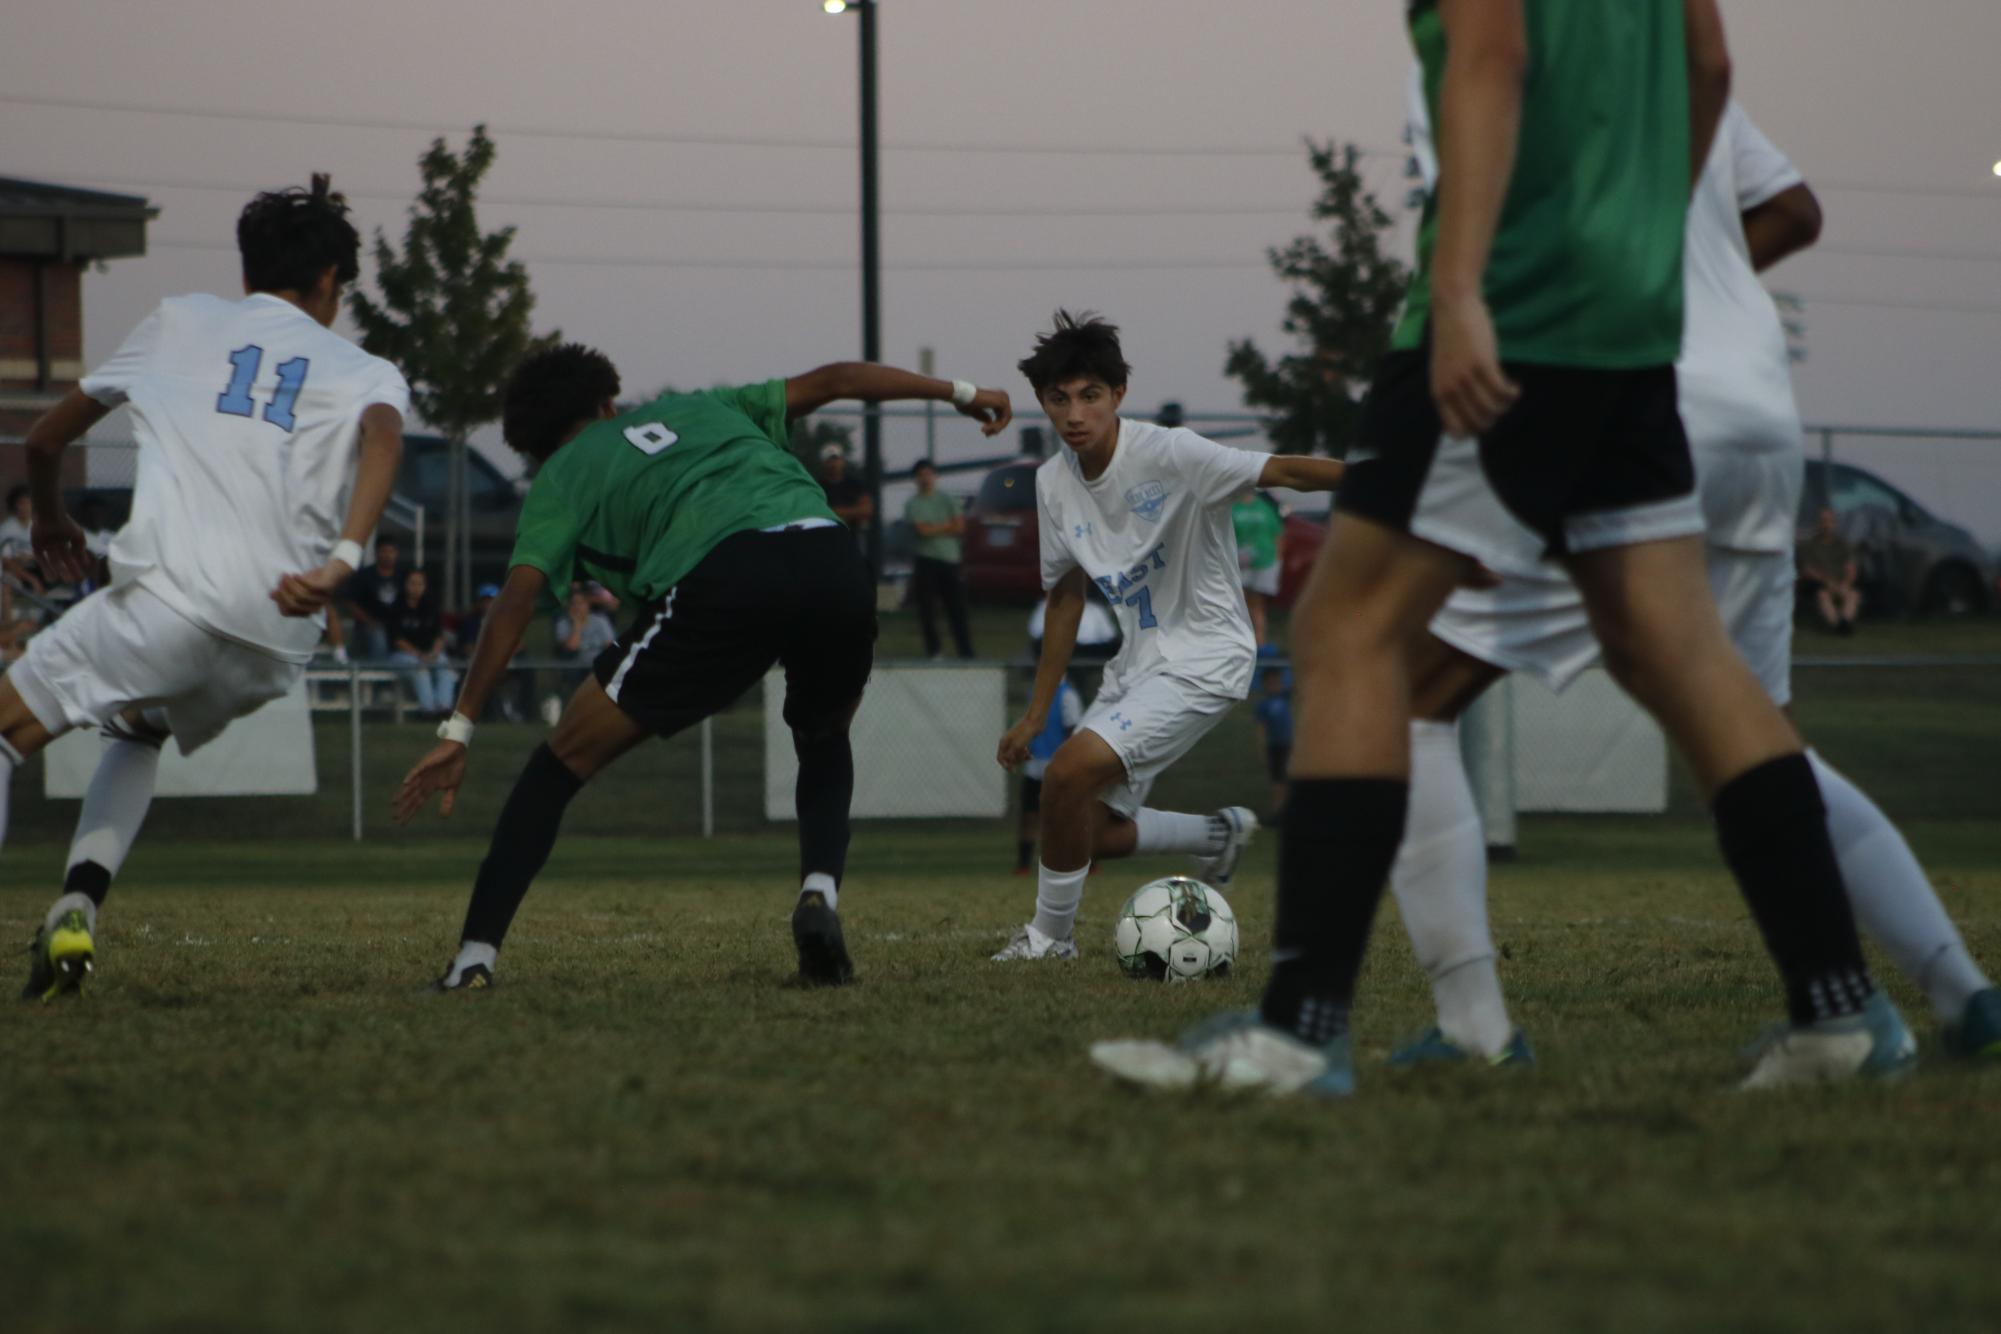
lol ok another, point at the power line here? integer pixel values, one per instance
(842, 210)
(1908, 252)
(695, 140)
(1992, 193)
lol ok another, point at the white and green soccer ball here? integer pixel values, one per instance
(1176, 930)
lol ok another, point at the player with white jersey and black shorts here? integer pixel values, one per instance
(268, 445)
(693, 509)
(1528, 410)
(1751, 209)
(1143, 512)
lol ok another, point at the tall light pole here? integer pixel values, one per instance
(871, 271)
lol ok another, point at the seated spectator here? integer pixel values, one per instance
(583, 631)
(371, 593)
(1827, 568)
(17, 548)
(511, 698)
(417, 646)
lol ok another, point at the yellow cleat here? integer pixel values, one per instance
(62, 958)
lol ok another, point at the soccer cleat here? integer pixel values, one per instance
(1434, 1048)
(473, 977)
(61, 958)
(1235, 1053)
(816, 931)
(1873, 1043)
(1028, 943)
(1221, 867)
(1977, 1035)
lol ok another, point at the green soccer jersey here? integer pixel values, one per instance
(637, 500)
(1258, 528)
(1585, 268)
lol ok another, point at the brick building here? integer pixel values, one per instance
(48, 234)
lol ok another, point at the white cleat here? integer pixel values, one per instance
(1873, 1044)
(1028, 943)
(1221, 868)
(1233, 1053)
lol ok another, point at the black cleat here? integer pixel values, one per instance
(823, 955)
(478, 977)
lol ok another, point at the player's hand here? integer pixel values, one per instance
(990, 409)
(1467, 382)
(1013, 751)
(440, 771)
(305, 594)
(60, 548)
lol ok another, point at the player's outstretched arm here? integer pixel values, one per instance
(1708, 79)
(1479, 119)
(58, 539)
(886, 384)
(1059, 640)
(1301, 472)
(499, 640)
(375, 474)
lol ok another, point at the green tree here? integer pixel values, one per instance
(454, 315)
(1346, 291)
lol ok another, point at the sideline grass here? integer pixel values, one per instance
(258, 1121)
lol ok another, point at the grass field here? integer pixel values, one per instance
(259, 1120)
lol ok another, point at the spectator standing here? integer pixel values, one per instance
(1273, 712)
(847, 495)
(511, 700)
(417, 646)
(939, 524)
(1259, 527)
(371, 595)
(1827, 566)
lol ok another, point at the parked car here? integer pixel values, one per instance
(1002, 552)
(1910, 560)
(494, 503)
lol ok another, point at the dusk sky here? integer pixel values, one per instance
(683, 176)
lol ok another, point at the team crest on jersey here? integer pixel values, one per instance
(1147, 500)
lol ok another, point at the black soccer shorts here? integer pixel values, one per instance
(1585, 459)
(802, 598)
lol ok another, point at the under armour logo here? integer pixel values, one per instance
(1125, 723)
(1084, 528)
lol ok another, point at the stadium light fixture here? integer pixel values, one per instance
(1997, 169)
(834, 6)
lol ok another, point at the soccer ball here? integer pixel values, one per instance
(1176, 930)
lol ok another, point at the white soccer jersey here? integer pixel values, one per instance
(248, 418)
(1153, 532)
(1735, 379)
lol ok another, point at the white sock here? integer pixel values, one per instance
(71, 902)
(1171, 831)
(473, 952)
(1440, 883)
(1893, 900)
(819, 882)
(1057, 894)
(121, 792)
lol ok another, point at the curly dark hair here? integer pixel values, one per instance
(1086, 344)
(552, 391)
(290, 237)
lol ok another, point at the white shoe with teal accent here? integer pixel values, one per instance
(1871, 1044)
(1028, 943)
(1236, 1053)
(1220, 867)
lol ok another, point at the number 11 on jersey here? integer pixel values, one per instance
(236, 400)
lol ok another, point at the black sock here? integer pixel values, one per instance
(88, 877)
(521, 843)
(1773, 828)
(1024, 853)
(1339, 837)
(825, 790)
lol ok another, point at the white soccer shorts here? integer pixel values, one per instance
(1537, 624)
(1150, 724)
(124, 647)
(1263, 581)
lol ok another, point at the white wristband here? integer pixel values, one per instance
(963, 393)
(348, 552)
(457, 728)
